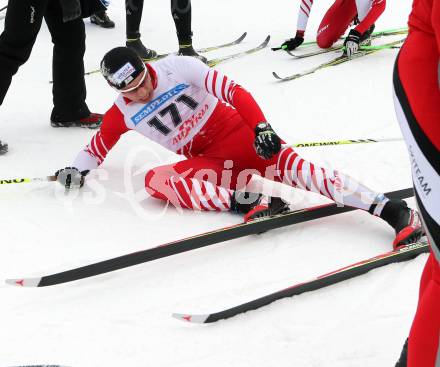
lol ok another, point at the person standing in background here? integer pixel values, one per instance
(64, 20)
(101, 19)
(181, 12)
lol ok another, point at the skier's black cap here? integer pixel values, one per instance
(120, 66)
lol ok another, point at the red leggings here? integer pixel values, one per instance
(335, 22)
(207, 180)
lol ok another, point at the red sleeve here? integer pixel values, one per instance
(435, 21)
(220, 86)
(247, 107)
(226, 90)
(113, 126)
(377, 8)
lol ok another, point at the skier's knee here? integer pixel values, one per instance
(152, 186)
(324, 42)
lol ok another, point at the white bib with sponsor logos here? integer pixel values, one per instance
(179, 108)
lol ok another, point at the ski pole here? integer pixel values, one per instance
(295, 145)
(4, 8)
(374, 34)
(28, 180)
(381, 47)
(341, 142)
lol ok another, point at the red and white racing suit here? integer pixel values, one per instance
(339, 17)
(197, 112)
(417, 103)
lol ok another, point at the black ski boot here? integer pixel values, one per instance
(91, 121)
(144, 53)
(276, 206)
(405, 221)
(365, 39)
(3, 148)
(188, 50)
(101, 19)
(250, 205)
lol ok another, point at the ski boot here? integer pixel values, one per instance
(365, 39)
(144, 53)
(92, 121)
(250, 205)
(101, 19)
(405, 221)
(188, 50)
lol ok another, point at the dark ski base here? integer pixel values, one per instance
(402, 254)
(195, 242)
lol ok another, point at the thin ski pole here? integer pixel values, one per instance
(296, 145)
(341, 142)
(27, 180)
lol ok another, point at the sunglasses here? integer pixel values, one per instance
(136, 86)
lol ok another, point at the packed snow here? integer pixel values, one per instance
(123, 318)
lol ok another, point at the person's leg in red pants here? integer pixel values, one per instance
(335, 22)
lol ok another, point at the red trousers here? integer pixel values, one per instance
(225, 160)
(335, 22)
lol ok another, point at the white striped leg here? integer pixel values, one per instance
(297, 172)
(200, 195)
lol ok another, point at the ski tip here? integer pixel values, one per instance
(266, 41)
(29, 282)
(242, 37)
(195, 319)
(276, 75)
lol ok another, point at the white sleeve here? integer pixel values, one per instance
(212, 81)
(85, 162)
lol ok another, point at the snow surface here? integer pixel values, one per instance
(123, 318)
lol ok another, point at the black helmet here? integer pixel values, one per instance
(120, 66)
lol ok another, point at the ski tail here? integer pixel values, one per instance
(214, 62)
(200, 50)
(214, 48)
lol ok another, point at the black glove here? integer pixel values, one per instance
(293, 43)
(267, 143)
(70, 177)
(351, 43)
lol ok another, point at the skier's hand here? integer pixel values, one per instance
(70, 177)
(351, 43)
(267, 143)
(293, 43)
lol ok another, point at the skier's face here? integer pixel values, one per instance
(143, 88)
